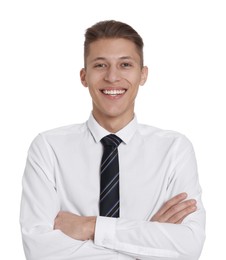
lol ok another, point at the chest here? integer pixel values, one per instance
(144, 175)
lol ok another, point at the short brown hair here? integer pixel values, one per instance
(112, 29)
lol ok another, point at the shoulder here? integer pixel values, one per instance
(147, 130)
(65, 130)
(159, 135)
(59, 134)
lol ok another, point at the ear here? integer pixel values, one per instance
(144, 75)
(83, 77)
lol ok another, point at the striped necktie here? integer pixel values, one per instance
(109, 175)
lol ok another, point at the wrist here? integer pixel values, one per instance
(91, 224)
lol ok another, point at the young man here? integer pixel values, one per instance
(149, 208)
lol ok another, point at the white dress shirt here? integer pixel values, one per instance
(62, 174)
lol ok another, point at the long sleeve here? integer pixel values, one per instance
(62, 174)
(153, 240)
(39, 207)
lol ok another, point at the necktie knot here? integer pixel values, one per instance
(111, 140)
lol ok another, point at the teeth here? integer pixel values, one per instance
(114, 92)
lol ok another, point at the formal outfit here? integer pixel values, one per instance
(62, 173)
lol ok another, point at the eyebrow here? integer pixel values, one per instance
(120, 58)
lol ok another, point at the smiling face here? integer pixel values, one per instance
(113, 75)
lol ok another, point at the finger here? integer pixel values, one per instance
(191, 210)
(179, 211)
(170, 203)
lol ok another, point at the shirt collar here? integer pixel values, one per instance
(98, 132)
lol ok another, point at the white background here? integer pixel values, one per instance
(41, 53)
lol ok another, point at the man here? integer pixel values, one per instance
(150, 208)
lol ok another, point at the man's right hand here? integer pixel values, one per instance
(175, 210)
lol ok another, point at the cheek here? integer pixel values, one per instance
(135, 82)
(93, 80)
(133, 77)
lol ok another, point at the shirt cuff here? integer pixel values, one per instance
(105, 232)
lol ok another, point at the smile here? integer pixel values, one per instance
(113, 92)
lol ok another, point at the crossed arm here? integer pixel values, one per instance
(69, 236)
(83, 228)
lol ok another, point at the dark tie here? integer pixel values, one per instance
(109, 175)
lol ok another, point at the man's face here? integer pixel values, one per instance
(113, 75)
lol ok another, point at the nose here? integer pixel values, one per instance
(112, 74)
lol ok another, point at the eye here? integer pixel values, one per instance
(126, 64)
(100, 65)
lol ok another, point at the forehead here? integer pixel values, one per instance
(112, 48)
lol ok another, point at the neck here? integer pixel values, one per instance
(113, 124)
